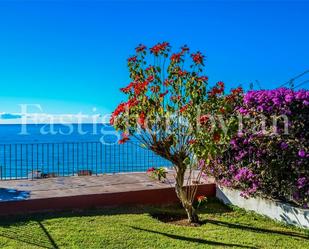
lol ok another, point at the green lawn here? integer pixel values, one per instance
(136, 228)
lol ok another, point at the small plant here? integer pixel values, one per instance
(157, 173)
(201, 201)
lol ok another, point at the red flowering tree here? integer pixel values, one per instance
(170, 111)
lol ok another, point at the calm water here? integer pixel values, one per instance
(10, 134)
(38, 150)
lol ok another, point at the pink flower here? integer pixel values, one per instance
(301, 153)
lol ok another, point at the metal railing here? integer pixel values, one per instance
(44, 160)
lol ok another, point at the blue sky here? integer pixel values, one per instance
(70, 56)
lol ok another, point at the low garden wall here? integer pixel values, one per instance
(273, 209)
(90, 199)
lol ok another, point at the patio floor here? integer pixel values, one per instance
(19, 196)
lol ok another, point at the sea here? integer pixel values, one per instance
(49, 150)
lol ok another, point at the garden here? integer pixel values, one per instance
(255, 142)
(145, 227)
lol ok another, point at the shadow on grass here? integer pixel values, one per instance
(35, 234)
(14, 227)
(214, 207)
(30, 236)
(175, 213)
(172, 218)
(254, 229)
(194, 240)
(51, 240)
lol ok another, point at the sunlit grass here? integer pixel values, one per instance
(222, 227)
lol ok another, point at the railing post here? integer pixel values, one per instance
(16, 160)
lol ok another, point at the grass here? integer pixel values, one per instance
(223, 227)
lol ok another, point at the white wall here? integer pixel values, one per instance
(273, 209)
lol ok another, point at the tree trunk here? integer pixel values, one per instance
(182, 194)
(191, 213)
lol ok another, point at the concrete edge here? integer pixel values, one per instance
(140, 197)
(273, 209)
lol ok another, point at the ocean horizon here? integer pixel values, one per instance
(68, 132)
(37, 150)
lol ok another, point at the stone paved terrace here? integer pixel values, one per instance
(89, 191)
(80, 185)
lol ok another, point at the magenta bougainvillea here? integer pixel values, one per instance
(270, 155)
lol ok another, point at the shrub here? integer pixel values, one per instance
(157, 173)
(166, 109)
(270, 156)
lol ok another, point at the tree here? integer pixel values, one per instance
(170, 111)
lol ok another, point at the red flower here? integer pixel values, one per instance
(237, 90)
(112, 120)
(204, 119)
(230, 98)
(175, 98)
(184, 49)
(176, 57)
(219, 89)
(132, 59)
(181, 73)
(198, 58)
(150, 68)
(155, 89)
(127, 88)
(215, 91)
(220, 84)
(201, 198)
(140, 48)
(122, 141)
(141, 120)
(132, 102)
(159, 48)
(120, 108)
(184, 108)
(167, 82)
(151, 169)
(222, 110)
(216, 137)
(163, 94)
(202, 78)
(139, 87)
(125, 138)
(192, 141)
(150, 78)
